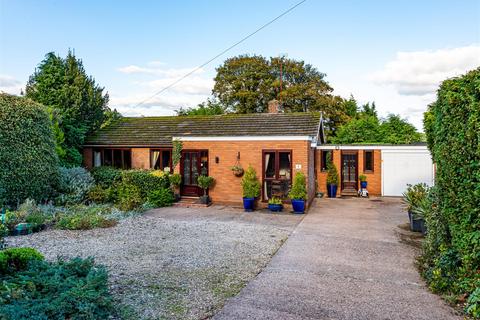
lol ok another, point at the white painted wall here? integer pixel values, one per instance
(404, 166)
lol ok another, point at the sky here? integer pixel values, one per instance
(392, 52)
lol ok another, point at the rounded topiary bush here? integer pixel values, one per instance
(28, 161)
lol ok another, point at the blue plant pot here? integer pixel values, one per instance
(332, 190)
(363, 184)
(298, 206)
(248, 204)
(416, 225)
(275, 207)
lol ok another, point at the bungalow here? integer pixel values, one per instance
(276, 145)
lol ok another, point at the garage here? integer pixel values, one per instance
(402, 165)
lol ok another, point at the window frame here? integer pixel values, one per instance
(365, 161)
(323, 163)
(161, 157)
(277, 169)
(102, 156)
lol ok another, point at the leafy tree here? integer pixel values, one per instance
(396, 130)
(369, 109)
(351, 107)
(208, 108)
(365, 129)
(78, 102)
(29, 163)
(245, 84)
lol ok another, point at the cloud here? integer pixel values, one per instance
(10, 85)
(145, 81)
(419, 73)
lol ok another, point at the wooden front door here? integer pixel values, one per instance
(193, 164)
(349, 171)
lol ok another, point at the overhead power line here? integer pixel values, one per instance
(221, 53)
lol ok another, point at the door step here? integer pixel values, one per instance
(190, 202)
(349, 193)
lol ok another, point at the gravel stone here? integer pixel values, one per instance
(174, 263)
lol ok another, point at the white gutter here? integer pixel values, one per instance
(371, 147)
(245, 138)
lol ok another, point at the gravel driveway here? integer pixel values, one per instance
(174, 263)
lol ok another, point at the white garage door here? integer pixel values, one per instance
(402, 167)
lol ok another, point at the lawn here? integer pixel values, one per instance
(174, 263)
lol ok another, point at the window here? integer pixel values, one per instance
(323, 164)
(118, 158)
(368, 161)
(277, 174)
(161, 159)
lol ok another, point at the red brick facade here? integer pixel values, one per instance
(374, 178)
(227, 188)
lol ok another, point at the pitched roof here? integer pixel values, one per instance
(158, 131)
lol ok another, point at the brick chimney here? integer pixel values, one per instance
(273, 106)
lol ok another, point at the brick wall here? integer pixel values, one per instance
(374, 179)
(227, 188)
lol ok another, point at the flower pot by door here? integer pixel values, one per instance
(298, 206)
(332, 190)
(248, 204)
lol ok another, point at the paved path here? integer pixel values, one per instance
(343, 261)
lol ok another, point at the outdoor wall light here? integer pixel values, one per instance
(217, 159)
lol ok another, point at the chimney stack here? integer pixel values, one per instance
(274, 106)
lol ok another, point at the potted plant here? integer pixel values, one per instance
(205, 182)
(363, 181)
(298, 193)
(251, 189)
(237, 170)
(415, 197)
(175, 182)
(332, 178)
(275, 204)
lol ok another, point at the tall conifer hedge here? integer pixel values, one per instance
(28, 161)
(452, 248)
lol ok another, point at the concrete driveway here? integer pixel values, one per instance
(345, 260)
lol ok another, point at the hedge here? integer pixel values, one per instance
(451, 257)
(29, 163)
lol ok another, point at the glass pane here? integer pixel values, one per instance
(165, 159)
(186, 168)
(127, 159)
(117, 158)
(369, 160)
(97, 158)
(155, 159)
(345, 169)
(204, 163)
(284, 168)
(270, 165)
(278, 188)
(352, 170)
(194, 164)
(107, 157)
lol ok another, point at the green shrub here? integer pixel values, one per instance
(99, 194)
(362, 178)
(451, 251)
(17, 259)
(205, 182)
(29, 162)
(332, 173)
(175, 180)
(275, 200)
(106, 176)
(74, 184)
(161, 198)
(128, 197)
(250, 184)
(86, 217)
(299, 189)
(76, 289)
(415, 198)
(145, 181)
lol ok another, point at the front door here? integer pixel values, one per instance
(349, 171)
(193, 164)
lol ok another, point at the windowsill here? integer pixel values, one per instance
(368, 171)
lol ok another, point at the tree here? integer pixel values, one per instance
(367, 128)
(395, 130)
(208, 108)
(29, 163)
(77, 101)
(245, 84)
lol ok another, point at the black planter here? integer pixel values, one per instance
(332, 190)
(204, 199)
(177, 197)
(416, 225)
